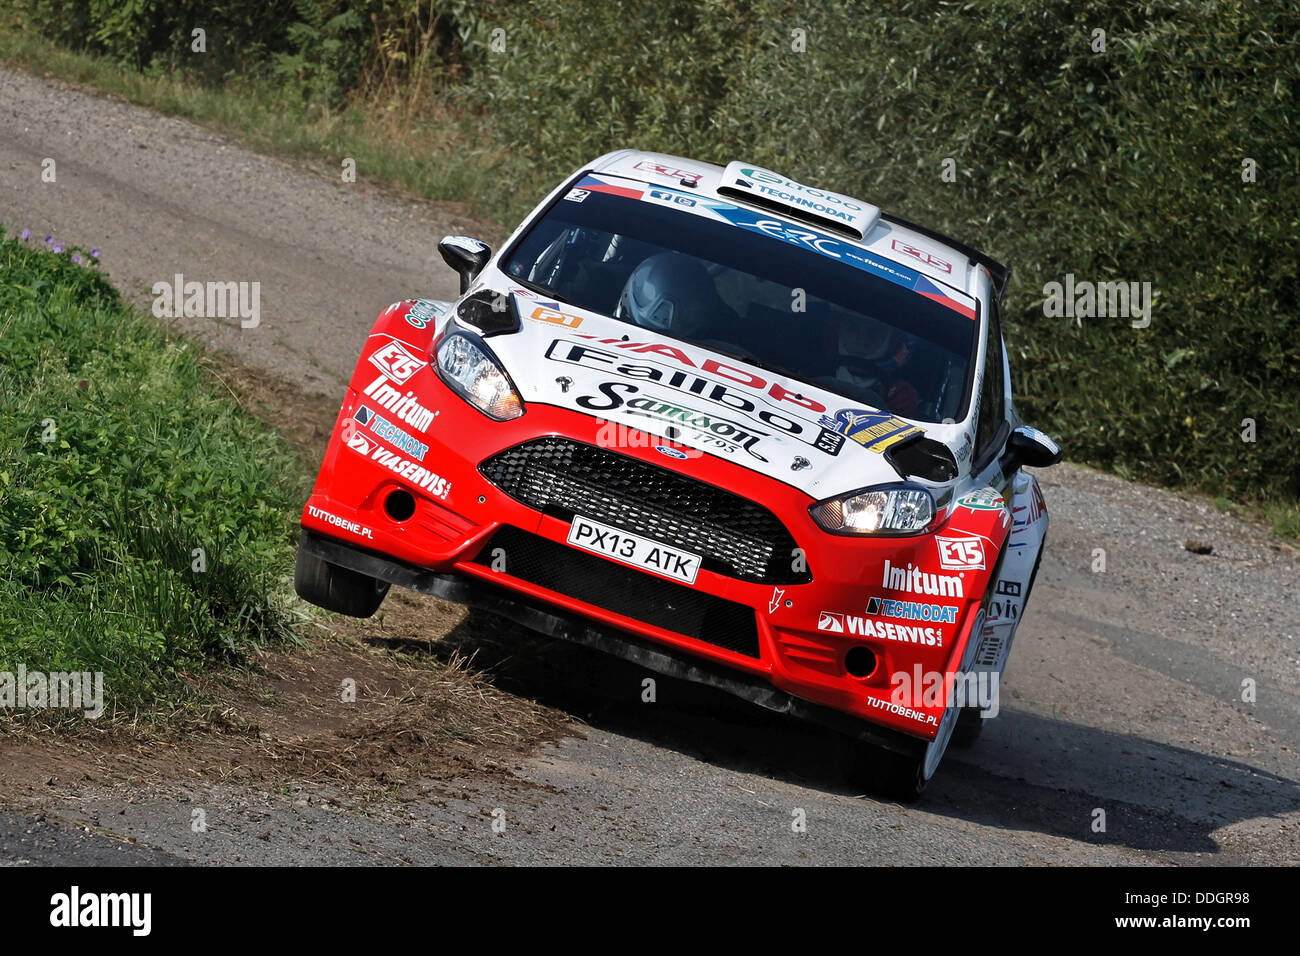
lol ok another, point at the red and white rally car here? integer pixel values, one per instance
(730, 426)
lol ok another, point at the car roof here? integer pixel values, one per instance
(930, 253)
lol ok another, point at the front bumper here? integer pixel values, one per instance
(758, 635)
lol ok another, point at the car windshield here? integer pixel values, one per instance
(756, 293)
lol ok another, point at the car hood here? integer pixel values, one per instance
(694, 400)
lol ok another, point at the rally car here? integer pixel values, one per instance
(733, 427)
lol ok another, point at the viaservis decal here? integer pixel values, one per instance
(708, 429)
(725, 396)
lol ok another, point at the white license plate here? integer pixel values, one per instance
(634, 550)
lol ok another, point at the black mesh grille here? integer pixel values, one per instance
(623, 590)
(733, 535)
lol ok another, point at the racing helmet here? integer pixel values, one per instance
(863, 340)
(668, 292)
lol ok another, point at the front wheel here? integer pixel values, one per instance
(886, 773)
(337, 589)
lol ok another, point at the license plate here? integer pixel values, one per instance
(634, 550)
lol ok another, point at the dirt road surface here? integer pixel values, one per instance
(1123, 696)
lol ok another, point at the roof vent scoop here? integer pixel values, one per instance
(817, 207)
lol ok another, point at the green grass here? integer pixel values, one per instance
(118, 463)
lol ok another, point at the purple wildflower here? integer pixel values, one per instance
(25, 234)
(49, 239)
(58, 247)
(76, 259)
(94, 253)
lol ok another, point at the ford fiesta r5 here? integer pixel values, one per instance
(729, 426)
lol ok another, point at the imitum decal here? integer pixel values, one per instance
(405, 406)
(917, 581)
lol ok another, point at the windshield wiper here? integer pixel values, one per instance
(537, 287)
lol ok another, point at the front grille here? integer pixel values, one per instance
(733, 535)
(623, 590)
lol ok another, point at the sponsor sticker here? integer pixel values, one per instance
(422, 312)
(360, 530)
(390, 433)
(918, 581)
(551, 312)
(659, 169)
(986, 499)
(404, 406)
(830, 621)
(960, 554)
(835, 622)
(667, 195)
(911, 610)
(921, 255)
(395, 362)
(741, 393)
(408, 469)
(877, 431)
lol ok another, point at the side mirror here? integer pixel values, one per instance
(1029, 446)
(466, 256)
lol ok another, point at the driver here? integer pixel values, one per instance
(872, 360)
(670, 293)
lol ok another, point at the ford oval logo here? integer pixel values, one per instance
(671, 452)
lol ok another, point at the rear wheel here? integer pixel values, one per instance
(337, 589)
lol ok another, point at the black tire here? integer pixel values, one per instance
(337, 589)
(886, 773)
(969, 726)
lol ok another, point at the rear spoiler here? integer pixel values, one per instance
(1001, 274)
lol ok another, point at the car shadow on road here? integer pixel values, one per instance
(1026, 773)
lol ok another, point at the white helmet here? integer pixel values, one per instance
(670, 293)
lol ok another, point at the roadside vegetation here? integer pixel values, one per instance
(1162, 151)
(145, 519)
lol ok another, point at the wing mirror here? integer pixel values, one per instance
(1029, 446)
(467, 256)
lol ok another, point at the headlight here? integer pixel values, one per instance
(470, 372)
(899, 510)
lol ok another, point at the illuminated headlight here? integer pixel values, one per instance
(879, 511)
(474, 376)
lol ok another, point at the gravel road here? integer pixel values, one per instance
(1123, 695)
